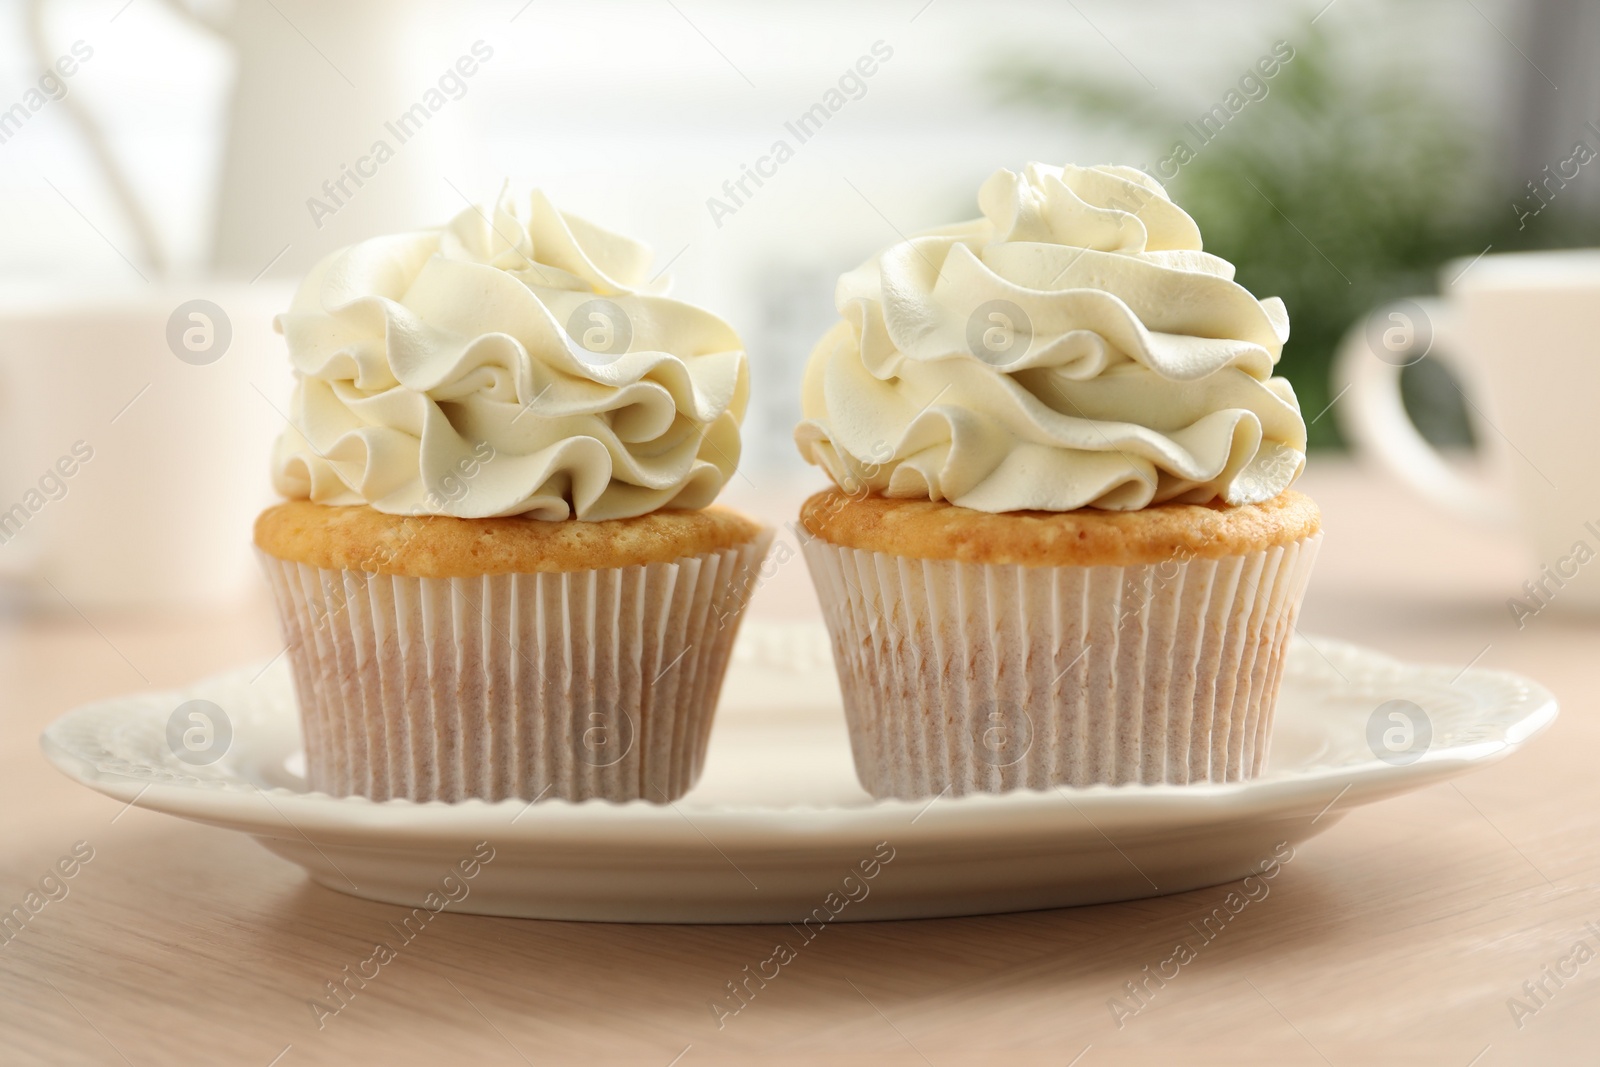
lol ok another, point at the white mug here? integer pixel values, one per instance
(1521, 331)
(135, 429)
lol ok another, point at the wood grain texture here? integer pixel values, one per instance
(1395, 938)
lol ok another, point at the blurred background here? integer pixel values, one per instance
(170, 168)
(199, 144)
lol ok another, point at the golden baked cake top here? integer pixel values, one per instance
(924, 529)
(440, 546)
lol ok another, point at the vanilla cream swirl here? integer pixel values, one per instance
(1073, 347)
(513, 362)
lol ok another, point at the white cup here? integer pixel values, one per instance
(135, 428)
(1521, 331)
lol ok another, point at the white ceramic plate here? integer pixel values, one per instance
(778, 823)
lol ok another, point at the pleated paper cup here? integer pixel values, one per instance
(597, 683)
(962, 678)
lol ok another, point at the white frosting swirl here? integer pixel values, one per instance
(1074, 347)
(512, 362)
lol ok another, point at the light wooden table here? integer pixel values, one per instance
(1396, 937)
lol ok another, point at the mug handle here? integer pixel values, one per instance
(1373, 416)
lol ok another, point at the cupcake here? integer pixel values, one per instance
(1062, 548)
(499, 570)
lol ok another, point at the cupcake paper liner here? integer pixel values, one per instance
(966, 678)
(598, 683)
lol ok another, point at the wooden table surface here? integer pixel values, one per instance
(1399, 936)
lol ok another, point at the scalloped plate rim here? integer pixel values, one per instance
(1369, 780)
